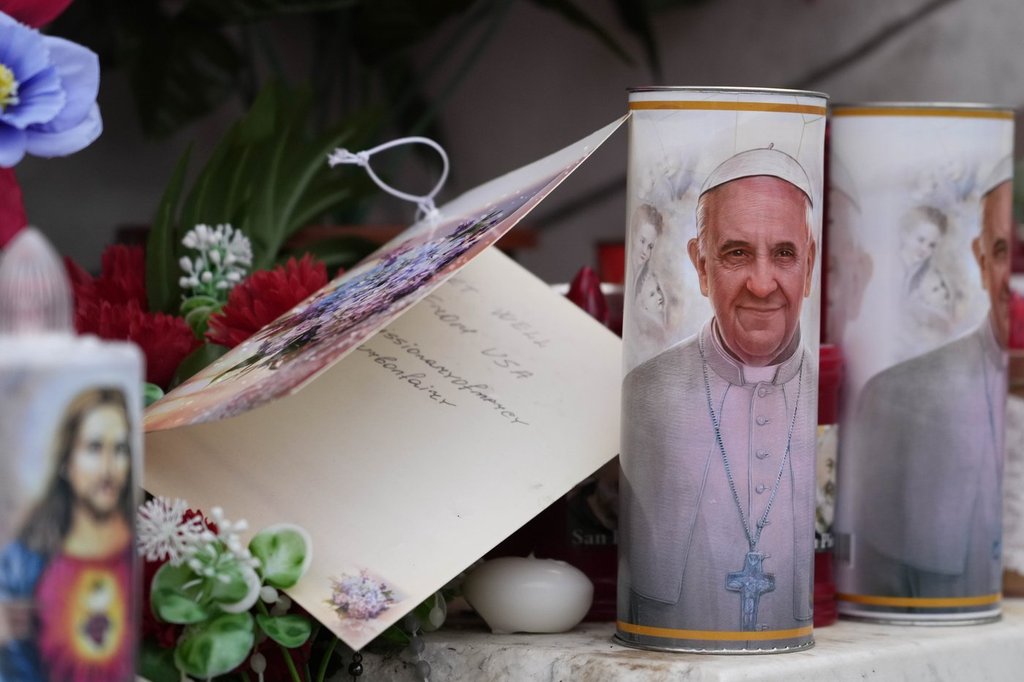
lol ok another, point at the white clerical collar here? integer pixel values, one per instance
(735, 372)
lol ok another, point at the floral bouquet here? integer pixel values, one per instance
(216, 269)
(215, 604)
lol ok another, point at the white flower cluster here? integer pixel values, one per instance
(163, 532)
(228, 533)
(225, 255)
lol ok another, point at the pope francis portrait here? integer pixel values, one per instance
(718, 439)
(927, 439)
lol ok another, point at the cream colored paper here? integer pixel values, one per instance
(422, 449)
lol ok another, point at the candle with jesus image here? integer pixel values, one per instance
(68, 602)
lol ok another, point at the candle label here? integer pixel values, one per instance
(720, 348)
(68, 597)
(920, 229)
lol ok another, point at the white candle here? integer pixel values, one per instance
(69, 425)
(517, 594)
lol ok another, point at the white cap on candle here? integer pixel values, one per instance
(763, 161)
(35, 295)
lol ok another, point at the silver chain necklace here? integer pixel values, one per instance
(752, 581)
(752, 538)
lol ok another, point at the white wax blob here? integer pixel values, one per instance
(517, 594)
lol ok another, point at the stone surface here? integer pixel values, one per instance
(846, 651)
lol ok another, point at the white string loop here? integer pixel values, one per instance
(425, 207)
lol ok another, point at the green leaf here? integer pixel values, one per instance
(215, 647)
(173, 607)
(181, 596)
(198, 301)
(267, 228)
(161, 264)
(288, 630)
(157, 664)
(298, 180)
(226, 182)
(170, 600)
(198, 318)
(196, 361)
(151, 393)
(197, 311)
(240, 592)
(285, 551)
(316, 203)
(267, 177)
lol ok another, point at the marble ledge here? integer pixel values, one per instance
(844, 652)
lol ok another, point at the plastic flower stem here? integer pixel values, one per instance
(322, 672)
(290, 663)
(284, 650)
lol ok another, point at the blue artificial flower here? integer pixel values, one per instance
(48, 90)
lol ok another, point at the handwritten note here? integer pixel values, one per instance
(451, 384)
(427, 445)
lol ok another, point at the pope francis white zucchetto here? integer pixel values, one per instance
(762, 161)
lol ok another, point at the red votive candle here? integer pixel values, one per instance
(830, 376)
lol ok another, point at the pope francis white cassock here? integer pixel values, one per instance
(717, 488)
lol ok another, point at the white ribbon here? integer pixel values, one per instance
(425, 208)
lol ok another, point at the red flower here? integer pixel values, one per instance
(263, 297)
(1016, 321)
(34, 12)
(165, 340)
(12, 210)
(123, 275)
(196, 514)
(113, 306)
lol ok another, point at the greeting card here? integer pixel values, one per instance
(410, 415)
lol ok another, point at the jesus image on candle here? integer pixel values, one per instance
(718, 437)
(66, 601)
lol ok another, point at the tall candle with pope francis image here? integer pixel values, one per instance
(920, 226)
(721, 327)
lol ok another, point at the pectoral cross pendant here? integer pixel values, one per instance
(751, 583)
